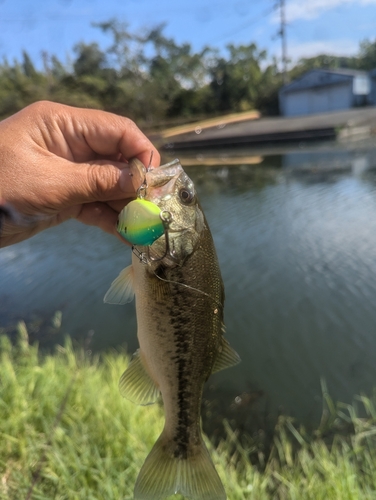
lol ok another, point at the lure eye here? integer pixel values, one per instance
(186, 196)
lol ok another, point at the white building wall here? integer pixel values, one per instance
(362, 85)
(318, 100)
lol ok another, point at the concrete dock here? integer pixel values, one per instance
(342, 125)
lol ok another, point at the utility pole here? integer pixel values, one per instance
(282, 34)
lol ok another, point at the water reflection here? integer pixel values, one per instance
(296, 239)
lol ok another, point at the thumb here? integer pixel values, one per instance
(99, 180)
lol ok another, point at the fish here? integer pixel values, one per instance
(179, 294)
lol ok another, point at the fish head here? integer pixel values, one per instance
(170, 188)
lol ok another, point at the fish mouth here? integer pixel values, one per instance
(156, 178)
(160, 181)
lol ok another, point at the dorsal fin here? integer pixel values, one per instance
(226, 357)
(136, 384)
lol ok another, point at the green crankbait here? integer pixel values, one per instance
(140, 222)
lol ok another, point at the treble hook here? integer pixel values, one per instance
(166, 218)
(146, 257)
(141, 191)
(140, 255)
(151, 158)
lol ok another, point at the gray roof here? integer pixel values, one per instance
(321, 78)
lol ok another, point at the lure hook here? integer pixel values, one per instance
(140, 255)
(141, 191)
(151, 159)
(166, 218)
(146, 257)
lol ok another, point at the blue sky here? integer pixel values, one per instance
(314, 26)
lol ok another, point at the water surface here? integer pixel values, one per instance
(296, 240)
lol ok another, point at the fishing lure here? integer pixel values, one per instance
(140, 222)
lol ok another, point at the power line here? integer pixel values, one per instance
(244, 25)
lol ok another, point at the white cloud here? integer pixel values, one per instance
(309, 10)
(298, 9)
(340, 47)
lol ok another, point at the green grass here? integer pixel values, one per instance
(66, 433)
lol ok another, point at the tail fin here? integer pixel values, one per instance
(163, 475)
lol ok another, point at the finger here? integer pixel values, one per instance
(118, 205)
(95, 214)
(71, 184)
(88, 131)
(100, 215)
(102, 182)
(107, 134)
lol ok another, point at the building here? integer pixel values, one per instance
(372, 96)
(324, 90)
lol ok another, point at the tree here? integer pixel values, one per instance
(90, 59)
(236, 80)
(322, 61)
(27, 66)
(367, 55)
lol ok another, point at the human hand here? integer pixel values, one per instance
(58, 162)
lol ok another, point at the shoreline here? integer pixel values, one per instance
(343, 126)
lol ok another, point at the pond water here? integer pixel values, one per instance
(296, 239)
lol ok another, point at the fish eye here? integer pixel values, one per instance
(186, 196)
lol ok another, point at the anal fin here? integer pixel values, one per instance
(136, 384)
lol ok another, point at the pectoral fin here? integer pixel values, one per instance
(226, 357)
(121, 290)
(136, 384)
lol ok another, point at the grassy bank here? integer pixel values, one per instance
(66, 433)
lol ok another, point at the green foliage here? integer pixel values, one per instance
(67, 434)
(90, 60)
(236, 82)
(146, 76)
(152, 79)
(365, 60)
(65, 427)
(323, 61)
(367, 55)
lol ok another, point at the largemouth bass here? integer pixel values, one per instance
(179, 295)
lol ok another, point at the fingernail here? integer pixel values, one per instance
(125, 182)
